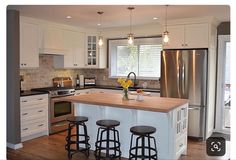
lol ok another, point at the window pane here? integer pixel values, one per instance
(127, 60)
(149, 60)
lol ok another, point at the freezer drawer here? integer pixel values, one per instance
(196, 121)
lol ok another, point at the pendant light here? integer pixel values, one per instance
(166, 33)
(100, 39)
(130, 35)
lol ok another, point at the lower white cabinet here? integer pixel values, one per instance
(34, 116)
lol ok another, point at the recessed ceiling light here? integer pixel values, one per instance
(99, 24)
(155, 18)
(68, 17)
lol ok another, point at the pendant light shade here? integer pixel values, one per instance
(100, 39)
(166, 33)
(130, 35)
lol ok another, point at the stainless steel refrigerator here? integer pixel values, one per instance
(184, 75)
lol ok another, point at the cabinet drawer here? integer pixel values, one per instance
(33, 113)
(180, 143)
(32, 128)
(33, 100)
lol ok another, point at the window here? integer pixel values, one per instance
(143, 57)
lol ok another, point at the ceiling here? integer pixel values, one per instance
(118, 15)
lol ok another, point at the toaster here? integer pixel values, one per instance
(91, 81)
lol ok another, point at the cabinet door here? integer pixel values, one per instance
(196, 36)
(29, 45)
(74, 46)
(91, 54)
(176, 35)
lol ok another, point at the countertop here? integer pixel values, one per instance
(156, 104)
(30, 93)
(118, 88)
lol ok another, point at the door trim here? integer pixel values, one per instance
(219, 117)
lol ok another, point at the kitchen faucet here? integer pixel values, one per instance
(135, 83)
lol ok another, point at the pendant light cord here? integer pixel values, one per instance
(130, 18)
(166, 17)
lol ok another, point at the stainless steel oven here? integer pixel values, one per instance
(59, 111)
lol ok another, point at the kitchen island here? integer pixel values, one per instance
(168, 115)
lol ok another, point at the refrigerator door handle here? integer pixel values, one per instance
(178, 79)
(183, 79)
(194, 108)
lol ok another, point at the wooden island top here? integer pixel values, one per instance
(156, 104)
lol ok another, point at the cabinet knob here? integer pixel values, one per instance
(186, 44)
(182, 45)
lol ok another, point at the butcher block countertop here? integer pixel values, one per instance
(156, 104)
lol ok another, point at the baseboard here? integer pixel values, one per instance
(14, 146)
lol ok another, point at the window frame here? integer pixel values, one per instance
(109, 58)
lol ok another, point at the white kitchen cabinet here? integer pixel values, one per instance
(29, 45)
(75, 48)
(34, 116)
(92, 51)
(181, 122)
(188, 36)
(52, 41)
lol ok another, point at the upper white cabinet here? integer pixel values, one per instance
(52, 41)
(92, 51)
(188, 36)
(95, 56)
(29, 45)
(75, 48)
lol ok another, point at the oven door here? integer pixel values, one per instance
(60, 110)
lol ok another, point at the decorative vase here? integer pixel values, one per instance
(125, 94)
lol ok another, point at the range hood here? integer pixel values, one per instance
(52, 51)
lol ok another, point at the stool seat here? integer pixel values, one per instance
(75, 119)
(142, 130)
(108, 123)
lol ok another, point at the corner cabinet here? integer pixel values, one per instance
(29, 45)
(34, 116)
(188, 36)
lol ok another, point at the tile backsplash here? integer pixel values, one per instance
(42, 76)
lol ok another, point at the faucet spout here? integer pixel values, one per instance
(135, 81)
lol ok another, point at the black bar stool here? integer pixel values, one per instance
(110, 145)
(80, 140)
(140, 151)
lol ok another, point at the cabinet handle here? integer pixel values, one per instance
(40, 111)
(182, 108)
(40, 125)
(40, 99)
(24, 114)
(24, 101)
(25, 129)
(181, 145)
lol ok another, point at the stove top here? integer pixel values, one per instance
(56, 91)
